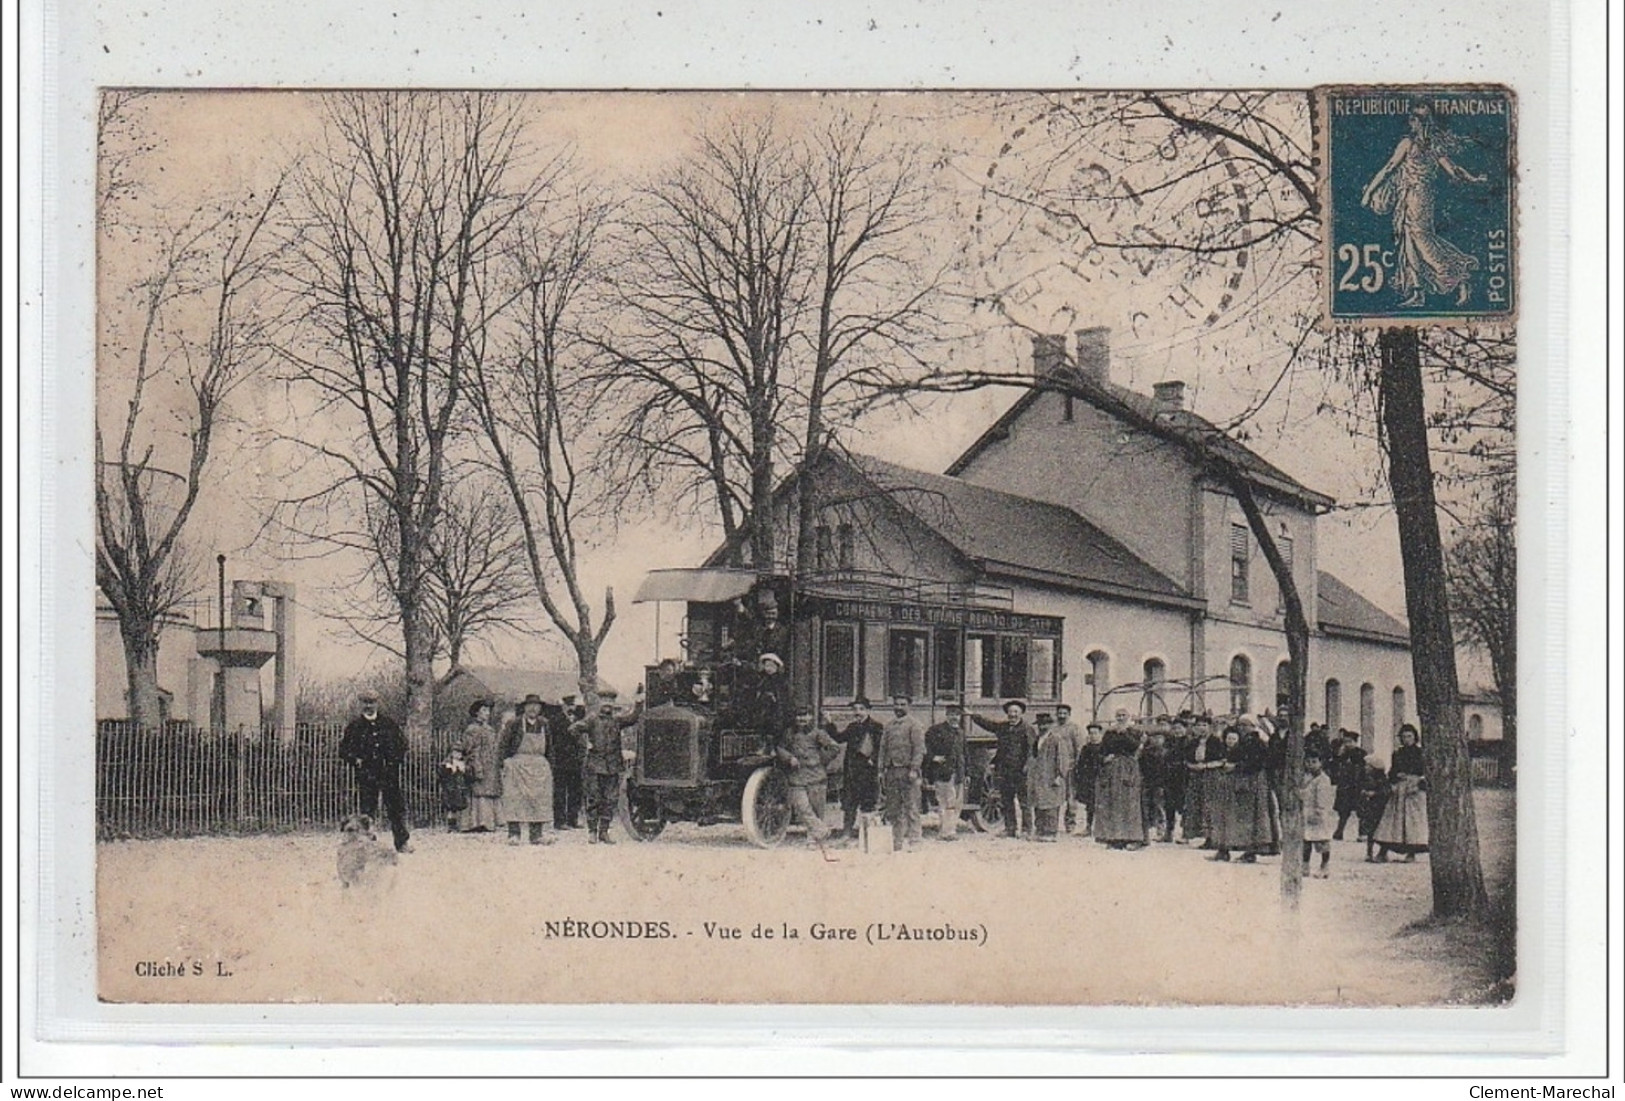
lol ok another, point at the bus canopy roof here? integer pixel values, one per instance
(702, 586)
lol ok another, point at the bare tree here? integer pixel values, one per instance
(402, 216)
(1483, 563)
(477, 584)
(714, 294)
(1218, 190)
(871, 318)
(202, 330)
(530, 397)
(775, 281)
(476, 563)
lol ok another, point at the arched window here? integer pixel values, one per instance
(1334, 705)
(1241, 684)
(1283, 685)
(1399, 711)
(1100, 678)
(1156, 676)
(1475, 727)
(1368, 716)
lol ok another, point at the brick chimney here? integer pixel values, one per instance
(1169, 396)
(1049, 355)
(1095, 354)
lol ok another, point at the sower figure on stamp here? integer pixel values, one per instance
(860, 779)
(902, 752)
(945, 769)
(606, 764)
(806, 755)
(374, 746)
(1016, 737)
(1407, 187)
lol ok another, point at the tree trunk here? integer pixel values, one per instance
(807, 512)
(1458, 875)
(761, 514)
(1509, 731)
(141, 675)
(419, 677)
(1297, 641)
(587, 671)
(1292, 864)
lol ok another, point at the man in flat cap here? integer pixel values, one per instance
(608, 754)
(374, 746)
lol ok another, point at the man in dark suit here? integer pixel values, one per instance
(374, 746)
(1016, 738)
(860, 776)
(566, 754)
(1348, 773)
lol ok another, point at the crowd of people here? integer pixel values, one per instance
(541, 769)
(1188, 779)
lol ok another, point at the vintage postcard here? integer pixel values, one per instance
(914, 548)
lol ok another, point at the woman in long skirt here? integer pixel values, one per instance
(1119, 817)
(485, 778)
(1221, 795)
(1251, 824)
(1404, 825)
(527, 788)
(1207, 758)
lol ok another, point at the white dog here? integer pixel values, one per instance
(359, 850)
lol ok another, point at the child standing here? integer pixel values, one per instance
(1317, 797)
(1373, 801)
(454, 788)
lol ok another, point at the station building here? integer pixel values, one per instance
(1083, 549)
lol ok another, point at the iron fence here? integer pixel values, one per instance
(183, 781)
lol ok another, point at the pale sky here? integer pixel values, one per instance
(206, 142)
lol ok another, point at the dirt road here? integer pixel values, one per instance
(468, 918)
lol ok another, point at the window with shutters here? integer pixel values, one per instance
(1239, 592)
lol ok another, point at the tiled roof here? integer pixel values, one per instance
(1344, 611)
(1180, 426)
(1020, 536)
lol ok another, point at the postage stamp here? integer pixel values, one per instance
(1417, 194)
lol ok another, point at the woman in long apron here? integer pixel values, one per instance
(527, 788)
(1404, 825)
(1251, 826)
(1119, 816)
